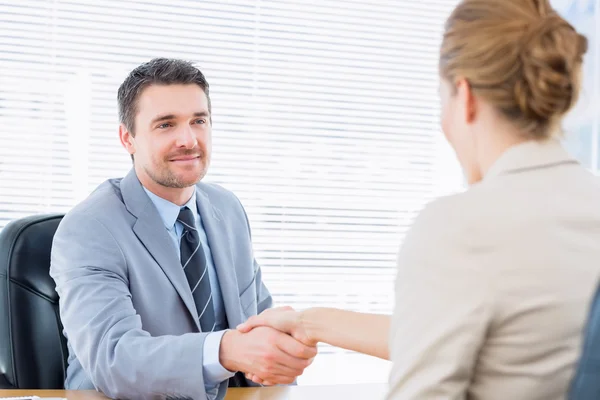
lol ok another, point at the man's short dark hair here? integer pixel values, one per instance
(159, 71)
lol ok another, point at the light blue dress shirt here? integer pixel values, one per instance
(214, 372)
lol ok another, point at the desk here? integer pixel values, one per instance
(345, 392)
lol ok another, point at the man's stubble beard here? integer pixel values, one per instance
(169, 179)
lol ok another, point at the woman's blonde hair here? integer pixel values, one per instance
(519, 55)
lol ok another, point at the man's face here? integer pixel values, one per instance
(172, 143)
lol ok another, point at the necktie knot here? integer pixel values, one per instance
(186, 218)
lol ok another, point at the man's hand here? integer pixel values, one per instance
(265, 355)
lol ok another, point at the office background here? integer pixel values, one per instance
(325, 121)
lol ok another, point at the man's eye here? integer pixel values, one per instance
(164, 126)
(200, 121)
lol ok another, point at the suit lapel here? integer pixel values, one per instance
(219, 239)
(152, 233)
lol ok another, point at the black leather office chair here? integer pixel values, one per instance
(33, 350)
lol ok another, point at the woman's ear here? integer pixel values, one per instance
(467, 100)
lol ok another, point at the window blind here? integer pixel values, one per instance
(325, 122)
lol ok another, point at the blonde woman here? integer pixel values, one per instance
(493, 284)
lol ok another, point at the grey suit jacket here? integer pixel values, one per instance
(125, 303)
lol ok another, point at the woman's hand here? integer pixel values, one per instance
(284, 319)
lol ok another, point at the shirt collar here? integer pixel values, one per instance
(529, 155)
(170, 211)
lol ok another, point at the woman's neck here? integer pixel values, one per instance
(492, 144)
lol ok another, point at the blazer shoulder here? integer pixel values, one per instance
(217, 194)
(475, 204)
(445, 207)
(453, 219)
(102, 204)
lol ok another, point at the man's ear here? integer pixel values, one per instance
(127, 139)
(467, 100)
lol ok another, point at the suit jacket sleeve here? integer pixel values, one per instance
(263, 296)
(264, 300)
(102, 326)
(442, 309)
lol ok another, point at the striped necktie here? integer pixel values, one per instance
(195, 267)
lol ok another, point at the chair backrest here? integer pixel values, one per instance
(586, 382)
(33, 350)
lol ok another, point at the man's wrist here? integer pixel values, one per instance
(214, 372)
(227, 350)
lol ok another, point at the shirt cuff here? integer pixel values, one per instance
(214, 372)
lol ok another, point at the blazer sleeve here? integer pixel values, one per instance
(264, 299)
(103, 327)
(442, 309)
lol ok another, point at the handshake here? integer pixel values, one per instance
(271, 348)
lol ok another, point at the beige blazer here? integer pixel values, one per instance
(494, 284)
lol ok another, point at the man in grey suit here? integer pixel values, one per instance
(152, 269)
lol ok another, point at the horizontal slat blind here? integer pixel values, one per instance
(325, 121)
